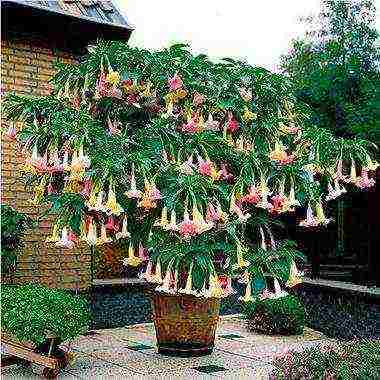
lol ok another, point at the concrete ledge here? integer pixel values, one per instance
(345, 286)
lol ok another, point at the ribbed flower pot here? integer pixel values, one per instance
(185, 325)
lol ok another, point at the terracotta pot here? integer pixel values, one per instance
(185, 325)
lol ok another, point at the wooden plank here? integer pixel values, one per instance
(8, 360)
(29, 355)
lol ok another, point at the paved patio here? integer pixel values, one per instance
(129, 353)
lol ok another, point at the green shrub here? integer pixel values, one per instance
(31, 312)
(13, 227)
(284, 315)
(348, 361)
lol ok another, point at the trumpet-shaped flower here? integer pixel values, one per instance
(175, 83)
(103, 239)
(234, 208)
(334, 192)
(189, 283)
(87, 186)
(191, 126)
(292, 201)
(321, 215)
(163, 221)
(124, 233)
(198, 99)
(278, 292)
(111, 206)
(111, 225)
(215, 289)
(352, 178)
(187, 227)
(99, 203)
(246, 94)
(311, 220)
(241, 263)
(157, 276)
(295, 276)
(211, 124)
(11, 132)
(253, 196)
(248, 293)
(232, 124)
(91, 237)
(172, 226)
(363, 182)
(142, 252)
(113, 77)
(133, 192)
(132, 260)
(248, 115)
(65, 241)
(371, 165)
(54, 236)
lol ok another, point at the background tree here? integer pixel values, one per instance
(334, 68)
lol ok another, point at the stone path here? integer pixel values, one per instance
(129, 353)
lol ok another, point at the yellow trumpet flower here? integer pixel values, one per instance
(132, 260)
(111, 205)
(103, 239)
(54, 236)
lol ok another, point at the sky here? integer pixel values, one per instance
(256, 30)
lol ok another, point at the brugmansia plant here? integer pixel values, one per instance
(188, 160)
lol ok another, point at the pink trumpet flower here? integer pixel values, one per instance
(102, 86)
(133, 192)
(232, 124)
(253, 196)
(363, 182)
(112, 129)
(175, 83)
(224, 173)
(191, 126)
(198, 99)
(334, 192)
(111, 225)
(279, 202)
(143, 253)
(87, 186)
(12, 132)
(65, 241)
(187, 227)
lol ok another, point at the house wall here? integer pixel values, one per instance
(26, 67)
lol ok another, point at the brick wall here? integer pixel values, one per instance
(26, 67)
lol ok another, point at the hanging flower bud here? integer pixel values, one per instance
(241, 263)
(11, 132)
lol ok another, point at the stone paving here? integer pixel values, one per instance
(129, 353)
